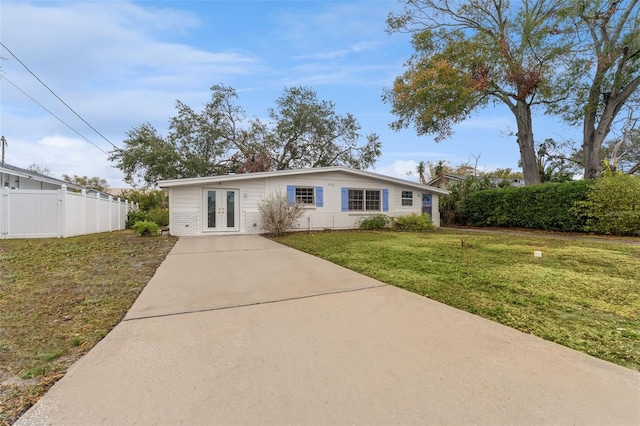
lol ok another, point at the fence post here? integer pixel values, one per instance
(62, 217)
(98, 228)
(84, 211)
(4, 213)
(126, 213)
(110, 212)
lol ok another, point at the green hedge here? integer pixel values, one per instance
(549, 206)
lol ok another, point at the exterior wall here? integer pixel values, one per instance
(187, 205)
(16, 182)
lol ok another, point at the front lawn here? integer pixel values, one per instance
(581, 294)
(58, 298)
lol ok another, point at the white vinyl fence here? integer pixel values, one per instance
(58, 213)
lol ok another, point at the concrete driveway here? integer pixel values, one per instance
(241, 330)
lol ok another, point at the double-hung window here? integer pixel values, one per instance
(365, 200)
(407, 198)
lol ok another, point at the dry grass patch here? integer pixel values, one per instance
(582, 294)
(58, 298)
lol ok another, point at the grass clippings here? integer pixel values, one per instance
(581, 294)
(58, 298)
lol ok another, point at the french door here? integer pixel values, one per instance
(221, 211)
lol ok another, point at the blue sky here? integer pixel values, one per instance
(122, 63)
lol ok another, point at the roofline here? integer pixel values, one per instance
(17, 171)
(261, 175)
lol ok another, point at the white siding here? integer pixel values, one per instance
(187, 210)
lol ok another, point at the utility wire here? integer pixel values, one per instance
(58, 118)
(59, 98)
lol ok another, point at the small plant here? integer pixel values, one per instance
(146, 228)
(278, 216)
(159, 215)
(413, 223)
(136, 216)
(378, 221)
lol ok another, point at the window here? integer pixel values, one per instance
(305, 195)
(364, 200)
(308, 196)
(407, 198)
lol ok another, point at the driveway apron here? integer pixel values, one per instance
(242, 330)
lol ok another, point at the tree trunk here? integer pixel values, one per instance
(593, 136)
(522, 112)
(592, 147)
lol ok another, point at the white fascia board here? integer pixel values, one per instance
(279, 173)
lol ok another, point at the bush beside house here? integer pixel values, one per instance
(549, 206)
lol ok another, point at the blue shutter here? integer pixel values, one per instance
(385, 200)
(345, 199)
(319, 198)
(291, 194)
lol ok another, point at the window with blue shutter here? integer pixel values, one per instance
(291, 194)
(385, 200)
(319, 198)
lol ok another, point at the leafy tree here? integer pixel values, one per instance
(623, 153)
(557, 161)
(40, 169)
(473, 54)
(147, 199)
(302, 131)
(605, 70)
(147, 157)
(307, 132)
(505, 173)
(421, 169)
(90, 183)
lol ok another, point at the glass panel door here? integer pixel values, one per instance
(211, 209)
(222, 212)
(231, 209)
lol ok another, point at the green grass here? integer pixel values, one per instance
(58, 298)
(581, 294)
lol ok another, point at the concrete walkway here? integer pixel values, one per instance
(241, 330)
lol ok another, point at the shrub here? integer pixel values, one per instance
(413, 223)
(136, 216)
(548, 207)
(278, 216)
(452, 206)
(146, 228)
(612, 205)
(159, 215)
(378, 221)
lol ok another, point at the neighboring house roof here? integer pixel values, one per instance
(278, 173)
(458, 178)
(28, 174)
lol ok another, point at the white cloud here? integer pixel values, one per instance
(355, 48)
(403, 169)
(60, 142)
(488, 123)
(64, 155)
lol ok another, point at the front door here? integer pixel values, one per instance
(222, 212)
(426, 204)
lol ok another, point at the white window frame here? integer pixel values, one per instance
(406, 201)
(298, 198)
(364, 200)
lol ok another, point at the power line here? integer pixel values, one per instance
(59, 98)
(58, 118)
